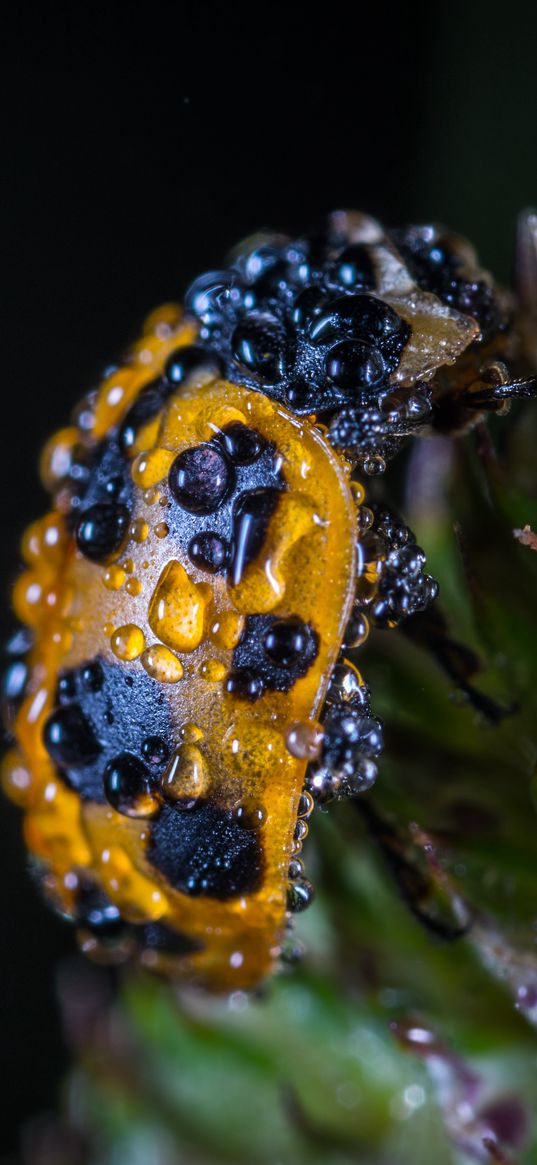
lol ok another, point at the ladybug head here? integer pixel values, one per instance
(300, 321)
(349, 325)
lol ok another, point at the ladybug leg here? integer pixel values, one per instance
(491, 392)
(393, 591)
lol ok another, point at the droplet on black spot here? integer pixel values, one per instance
(354, 365)
(128, 787)
(155, 750)
(286, 641)
(301, 395)
(208, 551)
(66, 689)
(69, 738)
(200, 479)
(206, 294)
(96, 913)
(101, 530)
(293, 646)
(245, 684)
(307, 305)
(356, 316)
(92, 677)
(251, 517)
(353, 267)
(147, 405)
(191, 358)
(157, 936)
(242, 444)
(259, 344)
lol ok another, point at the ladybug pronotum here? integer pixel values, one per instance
(180, 693)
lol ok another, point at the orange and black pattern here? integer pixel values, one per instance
(179, 694)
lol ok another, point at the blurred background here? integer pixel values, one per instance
(136, 149)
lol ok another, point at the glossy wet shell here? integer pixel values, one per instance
(168, 624)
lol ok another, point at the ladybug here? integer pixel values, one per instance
(181, 693)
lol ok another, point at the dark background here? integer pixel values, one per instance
(135, 151)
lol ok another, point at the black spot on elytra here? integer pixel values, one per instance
(205, 851)
(100, 478)
(103, 713)
(272, 653)
(156, 936)
(179, 366)
(232, 534)
(95, 912)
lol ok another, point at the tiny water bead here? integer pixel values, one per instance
(114, 578)
(155, 750)
(304, 739)
(357, 630)
(250, 815)
(300, 895)
(200, 479)
(241, 443)
(128, 642)
(188, 360)
(209, 552)
(162, 529)
(212, 670)
(128, 787)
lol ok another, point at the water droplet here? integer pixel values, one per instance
(249, 814)
(357, 630)
(346, 684)
(300, 895)
(305, 805)
(304, 739)
(301, 830)
(186, 779)
(227, 629)
(114, 578)
(374, 465)
(139, 530)
(212, 670)
(133, 586)
(127, 642)
(177, 609)
(152, 495)
(160, 663)
(162, 529)
(15, 778)
(128, 787)
(191, 733)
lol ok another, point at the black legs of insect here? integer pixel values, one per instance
(391, 586)
(491, 392)
(371, 436)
